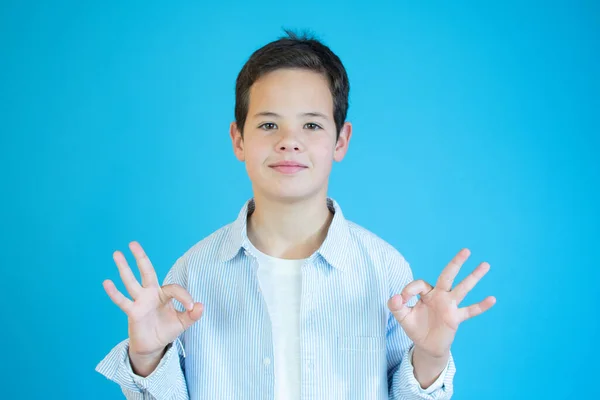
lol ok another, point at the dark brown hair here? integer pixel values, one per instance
(293, 51)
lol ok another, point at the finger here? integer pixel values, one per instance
(149, 278)
(174, 291)
(129, 280)
(398, 307)
(414, 288)
(117, 297)
(189, 317)
(461, 290)
(474, 310)
(448, 274)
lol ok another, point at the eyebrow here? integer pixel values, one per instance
(306, 114)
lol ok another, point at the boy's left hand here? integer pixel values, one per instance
(432, 323)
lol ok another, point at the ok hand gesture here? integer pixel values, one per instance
(153, 320)
(432, 323)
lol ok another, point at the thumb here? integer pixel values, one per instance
(398, 307)
(193, 310)
(189, 317)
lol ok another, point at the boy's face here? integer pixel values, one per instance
(290, 119)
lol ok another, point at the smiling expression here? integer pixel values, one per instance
(289, 141)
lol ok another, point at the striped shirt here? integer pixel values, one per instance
(351, 347)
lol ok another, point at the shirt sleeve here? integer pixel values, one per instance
(167, 381)
(402, 384)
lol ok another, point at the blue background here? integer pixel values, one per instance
(475, 125)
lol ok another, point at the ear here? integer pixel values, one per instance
(341, 146)
(237, 141)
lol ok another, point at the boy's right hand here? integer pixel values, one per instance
(153, 320)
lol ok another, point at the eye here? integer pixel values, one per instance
(312, 126)
(267, 126)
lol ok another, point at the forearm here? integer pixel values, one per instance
(166, 380)
(427, 368)
(144, 365)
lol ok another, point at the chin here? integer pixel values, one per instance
(290, 196)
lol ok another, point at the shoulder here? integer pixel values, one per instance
(210, 246)
(200, 258)
(373, 244)
(380, 253)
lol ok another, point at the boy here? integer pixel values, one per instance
(295, 301)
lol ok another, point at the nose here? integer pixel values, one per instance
(285, 147)
(289, 142)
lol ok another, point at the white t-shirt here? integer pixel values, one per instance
(281, 285)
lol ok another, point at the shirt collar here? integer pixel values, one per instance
(333, 248)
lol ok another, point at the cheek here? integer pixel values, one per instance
(255, 157)
(323, 152)
(252, 163)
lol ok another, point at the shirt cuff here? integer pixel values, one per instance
(410, 388)
(162, 381)
(439, 382)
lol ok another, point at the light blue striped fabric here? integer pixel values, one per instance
(352, 346)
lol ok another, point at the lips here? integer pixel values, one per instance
(288, 167)
(287, 164)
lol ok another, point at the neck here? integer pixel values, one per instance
(293, 230)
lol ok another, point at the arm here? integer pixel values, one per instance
(167, 380)
(427, 368)
(405, 363)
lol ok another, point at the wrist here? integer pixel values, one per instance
(144, 364)
(439, 356)
(427, 367)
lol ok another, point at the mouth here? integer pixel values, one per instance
(288, 167)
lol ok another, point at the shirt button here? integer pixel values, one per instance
(267, 361)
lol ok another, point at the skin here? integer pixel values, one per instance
(290, 117)
(153, 322)
(291, 217)
(433, 321)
